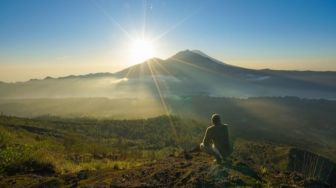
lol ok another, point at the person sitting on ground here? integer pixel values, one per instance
(216, 139)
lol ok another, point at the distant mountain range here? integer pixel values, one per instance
(187, 73)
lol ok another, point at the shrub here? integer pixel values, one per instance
(19, 159)
(30, 166)
(13, 154)
(4, 138)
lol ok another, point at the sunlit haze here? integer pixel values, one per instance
(58, 38)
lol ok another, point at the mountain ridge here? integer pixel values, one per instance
(185, 73)
(195, 52)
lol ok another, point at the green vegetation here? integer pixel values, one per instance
(70, 145)
(52, 149)
(305, 123)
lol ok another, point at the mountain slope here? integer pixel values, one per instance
(193, 73)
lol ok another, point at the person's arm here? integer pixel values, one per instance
(207, 138)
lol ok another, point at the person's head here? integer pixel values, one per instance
(215, 119)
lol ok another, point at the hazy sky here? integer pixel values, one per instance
(56, 38)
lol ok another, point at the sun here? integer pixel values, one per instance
(142, 50)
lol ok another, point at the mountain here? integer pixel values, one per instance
(205, 55)
(184, 74)
(197, 73)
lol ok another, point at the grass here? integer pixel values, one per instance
(85, 144)
(71, 145)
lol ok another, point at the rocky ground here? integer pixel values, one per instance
(192, 169)
(252, 164)
(197, 169)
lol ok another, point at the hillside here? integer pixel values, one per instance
(56, 152)
(253, 164)
(307, 123)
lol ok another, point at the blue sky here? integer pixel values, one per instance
(55, 37)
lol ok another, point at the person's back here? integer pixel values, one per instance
(216, 139)
(220, 138)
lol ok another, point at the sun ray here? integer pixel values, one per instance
(115, 22)
(173, 27)
(141, 70)
(144, 24)
(129, 71)
(164, 68)
(156, 72)
(164, 83)
(164, 105)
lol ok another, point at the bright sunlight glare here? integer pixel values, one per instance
(142, 50)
